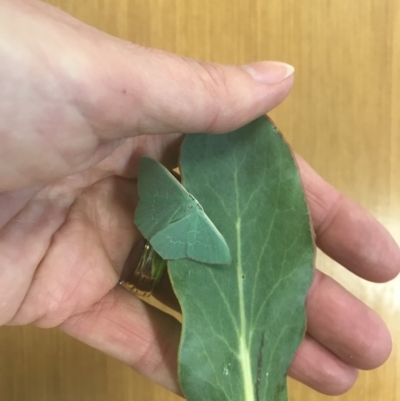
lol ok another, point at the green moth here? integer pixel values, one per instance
(173, 221)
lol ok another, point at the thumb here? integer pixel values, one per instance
(154, 92)
(72, 93)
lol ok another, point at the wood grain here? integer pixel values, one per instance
(342, 116)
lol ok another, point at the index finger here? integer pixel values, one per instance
(347, 233)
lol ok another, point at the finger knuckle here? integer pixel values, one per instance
(213, 81)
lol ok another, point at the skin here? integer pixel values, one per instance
(78, 108)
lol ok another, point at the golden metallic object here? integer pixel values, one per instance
(147, 274)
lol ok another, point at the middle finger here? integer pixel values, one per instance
(346, 326)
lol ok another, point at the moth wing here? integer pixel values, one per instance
(194, 237)
(171, 242)
(162, 198)
(205, 243)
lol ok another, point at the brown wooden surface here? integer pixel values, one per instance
(343, 117)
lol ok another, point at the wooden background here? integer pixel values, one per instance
(342, 116)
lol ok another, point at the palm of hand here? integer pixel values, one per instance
(77, 231)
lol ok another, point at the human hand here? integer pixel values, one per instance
(78, 108)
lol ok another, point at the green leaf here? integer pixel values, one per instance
(242, 323)
(173, 221)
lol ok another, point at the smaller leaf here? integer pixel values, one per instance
(173, 221)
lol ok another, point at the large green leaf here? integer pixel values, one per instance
(243, 322)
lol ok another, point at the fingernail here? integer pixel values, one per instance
(269, 72)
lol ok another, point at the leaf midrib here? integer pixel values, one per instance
(244, 352)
